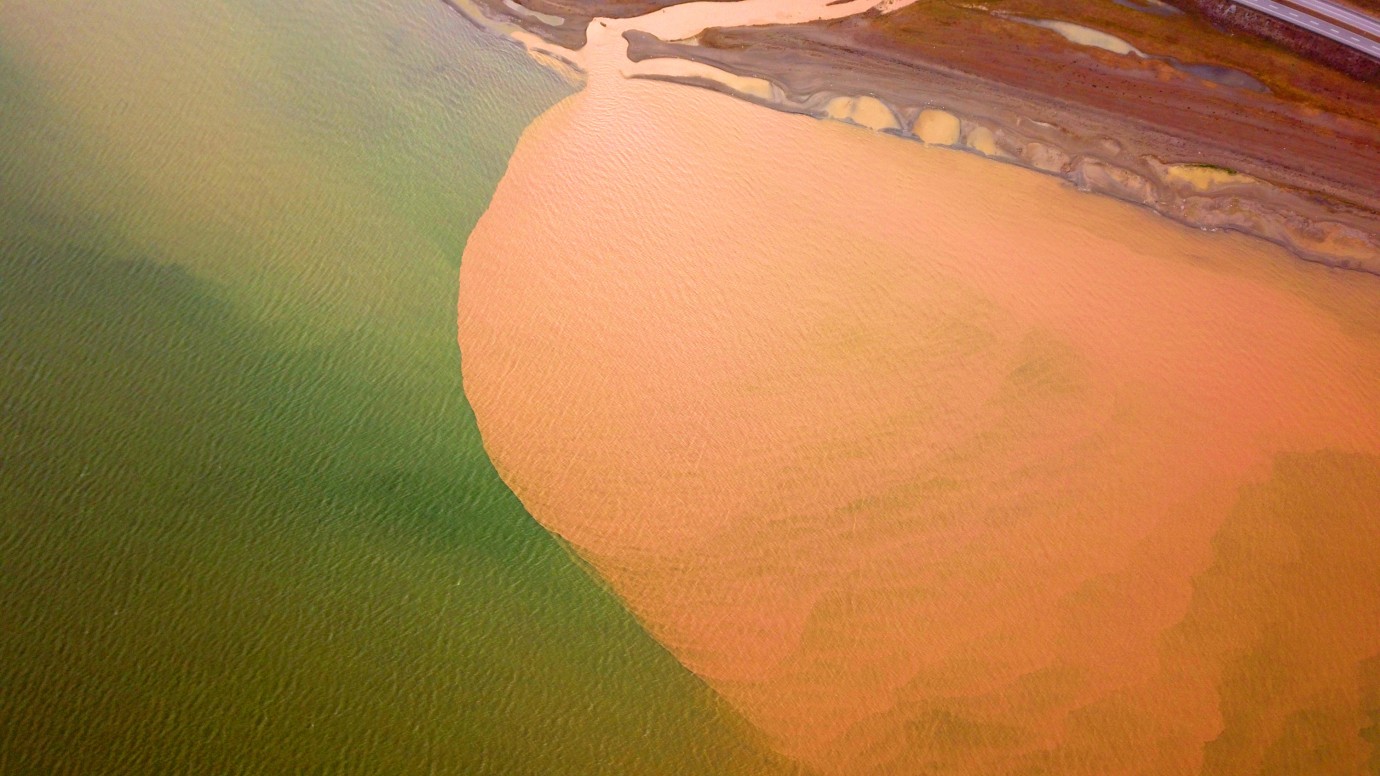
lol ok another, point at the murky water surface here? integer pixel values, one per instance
(246, 523)
(892, 459)
(930, 464)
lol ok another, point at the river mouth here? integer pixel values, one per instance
(1110, 103)
(919, 459)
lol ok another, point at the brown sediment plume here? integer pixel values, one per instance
(927, 464)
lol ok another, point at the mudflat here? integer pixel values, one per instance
(1117, 98)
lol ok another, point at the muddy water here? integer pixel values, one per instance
(923, 462)
(246, 522)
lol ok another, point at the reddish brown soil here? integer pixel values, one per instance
(1238, 18)
(1317, 130)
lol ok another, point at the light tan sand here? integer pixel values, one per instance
(758, 88)
(937, 127)
(983, 141)
(865, 111)
(1203, 178)
(1087, 36)
(930, 464)
(604, 55)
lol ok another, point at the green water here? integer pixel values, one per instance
(246, 523)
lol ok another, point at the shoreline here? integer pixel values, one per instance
(1302, 177)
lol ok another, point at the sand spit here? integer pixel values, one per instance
(1091, 153)
(1197, 195)
(1102, 123)
(1086, 36)
(930, 464)
(864, 111)
(937, 127)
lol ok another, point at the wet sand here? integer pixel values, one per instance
(928, 464)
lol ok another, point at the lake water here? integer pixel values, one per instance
(873, 456)
(246, 522)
